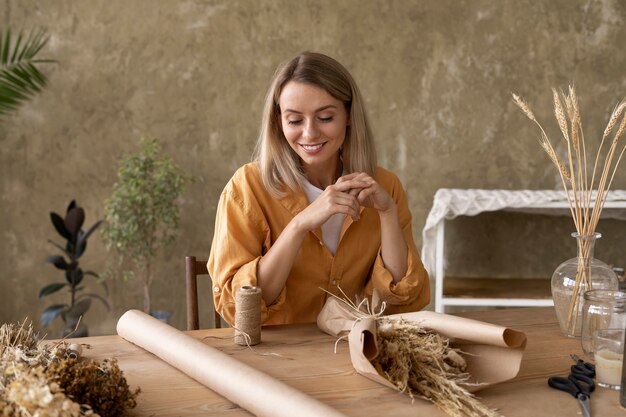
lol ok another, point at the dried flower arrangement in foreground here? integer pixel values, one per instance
(418, 361)
(579, 182)
(49, 380)
(422, 364)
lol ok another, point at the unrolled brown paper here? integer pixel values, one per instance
(494, 353)
(251, 389)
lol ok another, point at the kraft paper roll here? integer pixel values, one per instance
(251, 389)
(494, 353)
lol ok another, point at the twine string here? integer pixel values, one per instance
(362, 310)
(247, 321)
(255, 351)
(339, 339)
(248, 316)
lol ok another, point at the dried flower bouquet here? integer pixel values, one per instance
(422, 363)
(51, 381)
(586, 191)
(414, 359)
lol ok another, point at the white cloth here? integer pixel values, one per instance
(450, 203)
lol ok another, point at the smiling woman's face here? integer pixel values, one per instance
(314, 123)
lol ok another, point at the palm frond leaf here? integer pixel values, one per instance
(20, 77)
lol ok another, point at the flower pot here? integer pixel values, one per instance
(161, 315)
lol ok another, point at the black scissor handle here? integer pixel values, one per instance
(564, 384)
(583, 368)
(584, 383)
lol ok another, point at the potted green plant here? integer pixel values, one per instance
(142, 214)
(70, 228)
(20, 77)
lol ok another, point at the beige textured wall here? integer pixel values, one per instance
(437, 76)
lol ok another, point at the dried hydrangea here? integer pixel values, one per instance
(49, 381)
(31, 394)
(101, 385)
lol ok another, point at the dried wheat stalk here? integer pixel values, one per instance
(423, 364)
(574, 176)
(419, 362)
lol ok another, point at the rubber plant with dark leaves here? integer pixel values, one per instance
(70, 228)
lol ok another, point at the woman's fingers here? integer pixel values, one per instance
(346, 185)
(343, 202)
(346, 196)
(329, 203)
(375, 197)
(367, 191)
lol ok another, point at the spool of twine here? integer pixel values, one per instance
(74, 350)
(248, 316)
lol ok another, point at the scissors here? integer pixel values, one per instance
(578, 383)
(582, 367)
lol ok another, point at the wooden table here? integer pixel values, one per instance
(307, 362)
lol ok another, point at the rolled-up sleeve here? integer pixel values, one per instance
(240, 239)
(412, 292)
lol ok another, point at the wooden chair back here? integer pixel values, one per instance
(193, 268)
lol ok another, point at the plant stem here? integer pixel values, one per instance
(146, 288)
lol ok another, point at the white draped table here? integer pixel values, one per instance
(449, 203)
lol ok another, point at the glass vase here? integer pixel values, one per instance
(602, 309)
(575, 276)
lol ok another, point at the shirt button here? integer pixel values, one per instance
(334, 282)
(216, 289)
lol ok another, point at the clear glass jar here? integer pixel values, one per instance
(573, 277)
(621, 277)
(602, 309)
(609, 347)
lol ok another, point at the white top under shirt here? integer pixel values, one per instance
(332, 228)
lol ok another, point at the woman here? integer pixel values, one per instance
(313, 212)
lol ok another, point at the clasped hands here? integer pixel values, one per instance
(346, 196)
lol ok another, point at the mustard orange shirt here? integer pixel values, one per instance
(249, 220)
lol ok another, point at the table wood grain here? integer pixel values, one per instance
(302, 356)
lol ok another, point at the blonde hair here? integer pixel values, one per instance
(279, 164)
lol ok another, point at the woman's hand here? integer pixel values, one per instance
(370, 194)
(346, 196)
(274, 267)
(339, 198)
(393, 246)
